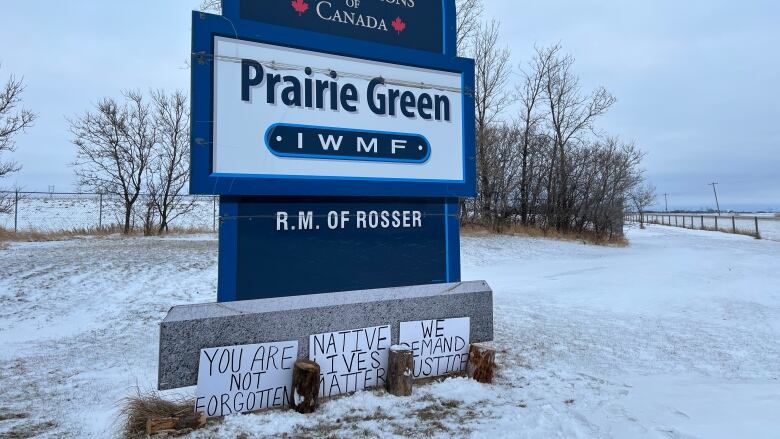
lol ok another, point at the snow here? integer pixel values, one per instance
(674, 336)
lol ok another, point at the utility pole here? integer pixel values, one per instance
(717, 204)
(666, 200)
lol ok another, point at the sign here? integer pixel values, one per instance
(277, 112)
(351, 360)
(414, 24)
(247, 378)
(290, 246)
(440, 346)
(339, 135)
(296, 119)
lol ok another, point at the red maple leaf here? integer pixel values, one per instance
(300, 6)
(398, 25)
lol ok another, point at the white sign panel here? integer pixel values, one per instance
(351, 360)
(239, 379)
(440, 346)
(280, 112)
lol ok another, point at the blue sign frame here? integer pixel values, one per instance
(204, 181)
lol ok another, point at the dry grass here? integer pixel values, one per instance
(24, 427)
(331, 428)
(777, 215)
(37, 236)
(61, 235)
(137, 409)
(707, 228)
(435, 418)
(175, 231)
(27, 431)
(537, 232)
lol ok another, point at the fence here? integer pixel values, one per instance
(765, 226)
(48, 212)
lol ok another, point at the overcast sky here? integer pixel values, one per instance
(697, 81)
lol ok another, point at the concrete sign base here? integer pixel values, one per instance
(188, 329)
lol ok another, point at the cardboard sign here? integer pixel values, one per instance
(351, 360)
(440, 347)
(240, 379)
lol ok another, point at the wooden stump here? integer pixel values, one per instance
(305, 386)
(482, 360)
(186, 421)
(400, 371)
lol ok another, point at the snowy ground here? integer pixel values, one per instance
(676, 336)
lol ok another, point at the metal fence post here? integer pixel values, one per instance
(214, 214)
(16, 210)
(716, 224)
(702, 222)
(100, 215)
(733, 225)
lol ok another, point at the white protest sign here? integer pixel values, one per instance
(440, 346)
(351, 360)
(239, 379)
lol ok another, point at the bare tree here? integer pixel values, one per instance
(529, 93)
(468, 14)
(643, 196)
(114, 145)
(211, 5)
(491, 97)
(501, 171)
(571, 116)
(13, 121)
(168, 174)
